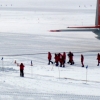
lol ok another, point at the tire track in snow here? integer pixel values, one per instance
(47, 96)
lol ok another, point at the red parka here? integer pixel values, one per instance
(22, 66)
(49, 56)
(64, 56)
(82, 58)
(98, 57)
(56, 58)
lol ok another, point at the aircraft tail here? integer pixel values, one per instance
(90, 28)
(97, 20)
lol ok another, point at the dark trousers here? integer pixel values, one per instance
(49, 62)
(71, 62)
(57, 63)
(82, 63)
(21, 73)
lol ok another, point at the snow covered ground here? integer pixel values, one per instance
(25, 36)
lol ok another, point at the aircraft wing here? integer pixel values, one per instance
(74, 30)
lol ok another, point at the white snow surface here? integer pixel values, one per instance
(25, 36)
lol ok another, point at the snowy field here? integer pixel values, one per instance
(25, 36)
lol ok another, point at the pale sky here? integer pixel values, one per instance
(47, 3)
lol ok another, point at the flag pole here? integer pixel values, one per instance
(31, 69)
(2, 64)
(86, 72)
(86, 75)
(59, 72)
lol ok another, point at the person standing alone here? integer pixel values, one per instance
(22, 70)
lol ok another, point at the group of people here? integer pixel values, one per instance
(60, 59)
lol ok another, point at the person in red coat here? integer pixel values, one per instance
(82, 60)
(98, 58)
(22, 70)
(56, 59)
(70, 56)
(64, 57)
(61, 59)
(49, 58)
